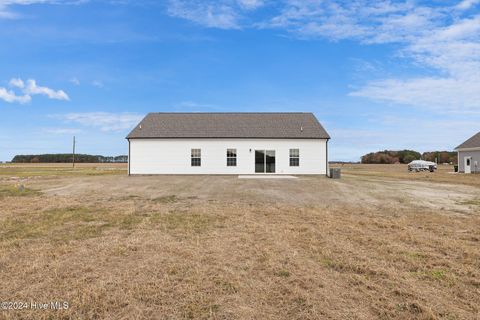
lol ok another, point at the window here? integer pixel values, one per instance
(468, 162)
(196, 157)
(231, 157)
(294, 157)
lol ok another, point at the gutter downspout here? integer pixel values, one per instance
(128, 157)
(326, 160)
(458, 161)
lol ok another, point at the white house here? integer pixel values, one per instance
(469, 155)
(228, 143)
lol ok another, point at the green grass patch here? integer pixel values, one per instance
(56, 224)
(131, 197)
(184, 221)
(437, 274)
(130, 221)
(39, 171)
(335, 265)
(440, 275)
(348, 267)
(77, 223)
(283, 273)
(17, 191)
(473, 202)
(166, 199)
(226, 286)
(328, 263)
(65, 224)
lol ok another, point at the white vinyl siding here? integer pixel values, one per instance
(474, 162)
(174, 156)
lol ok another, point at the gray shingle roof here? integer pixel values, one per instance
(229, 125)
(473, 142)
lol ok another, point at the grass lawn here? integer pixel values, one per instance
(21, 170)
(380, 243)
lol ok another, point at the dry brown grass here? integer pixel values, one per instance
(29, 170)
(445, 173)
(205, 247)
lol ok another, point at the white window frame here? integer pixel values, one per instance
(294, 156)
(195, 154)
(232, 158)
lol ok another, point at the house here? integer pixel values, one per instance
(469, 155)
(228, 143)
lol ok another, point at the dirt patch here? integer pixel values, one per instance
(307, 191)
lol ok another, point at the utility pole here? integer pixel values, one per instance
(73, 153)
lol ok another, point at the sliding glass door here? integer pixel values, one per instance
(259, 161)
(270, 161)
(264, 161)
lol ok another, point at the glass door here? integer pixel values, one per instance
(259, 161)
(270, 161)
(264, 161)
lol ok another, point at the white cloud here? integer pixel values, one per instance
(32, 89)
(209, 14)
(105, 121)
(459, 30)
(365, 21)
(439, 94)
(29, 89)
(5, 5)
(24, 2)
(18, 83)
(251, 4)
(10, 96)
(454, 52)
(434, 37)
(443, 39)
(62, 131)
(397, 133)
(223, 14)
(4, 14)
(467, 4)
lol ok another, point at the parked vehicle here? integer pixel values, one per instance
(421, 165)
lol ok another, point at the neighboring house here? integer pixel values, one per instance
(228, 143)
(469, 155)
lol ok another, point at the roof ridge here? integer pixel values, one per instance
(475, 140)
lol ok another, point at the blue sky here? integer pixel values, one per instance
(377, 74)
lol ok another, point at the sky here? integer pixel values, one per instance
(377, 74)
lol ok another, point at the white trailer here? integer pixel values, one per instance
(421, 165)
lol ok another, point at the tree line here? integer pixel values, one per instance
(407, 156)
(67, 157)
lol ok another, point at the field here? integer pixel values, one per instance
(380, 243)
